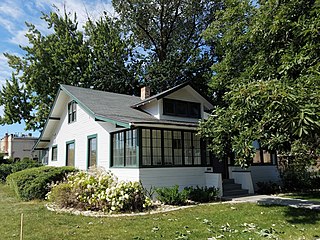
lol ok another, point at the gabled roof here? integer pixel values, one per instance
(168, 92)
(107, 106)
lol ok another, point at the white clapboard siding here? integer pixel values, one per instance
(79, 131)
(167, 177)
(126, 174)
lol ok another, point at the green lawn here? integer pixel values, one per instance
(312, 196)
(200, 222)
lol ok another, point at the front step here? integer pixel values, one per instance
(230, 188)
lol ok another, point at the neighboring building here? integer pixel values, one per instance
(18, 147)
(151, 139)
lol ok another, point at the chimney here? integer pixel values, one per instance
(145, 93)
(6, 143)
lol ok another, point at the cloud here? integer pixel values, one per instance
(19, 38)
(10, 8)
(8, 25)
(5, 70)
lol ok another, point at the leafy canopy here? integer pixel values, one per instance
(267, 79)
(96, 58)
(156, 43)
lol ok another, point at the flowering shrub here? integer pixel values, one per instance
(99, 191)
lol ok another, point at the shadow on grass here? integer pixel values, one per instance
(296, 211)
(312, 196)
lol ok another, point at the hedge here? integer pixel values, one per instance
(6, 169)
(34, 183)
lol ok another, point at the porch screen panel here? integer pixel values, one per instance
(167, 142)
(187, 148)
(196, 149)
(131, 150)
(156, 147)
(146, 147)
(118, 149)
(177, 147)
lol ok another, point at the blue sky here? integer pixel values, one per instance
(14, 14)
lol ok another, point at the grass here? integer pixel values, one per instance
(311, 196)
(237, 221)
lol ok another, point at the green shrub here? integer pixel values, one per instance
(172, 195)
(99, 190)
(34, 183)
(63, 196)
(7, 169)
(268, 188)
(202, 194)
(24, 164)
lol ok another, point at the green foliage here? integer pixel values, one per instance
(155, 43)
(268, 188)
(267, 79)
(172, 195)
(34, 183)
(202, 194)
(169, 32)
(7, 169)
(299, 178)
(97, 58)
(24, 164)
(99, 191)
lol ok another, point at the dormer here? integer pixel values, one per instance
(181, 103)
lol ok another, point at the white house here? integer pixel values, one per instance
(151, 139)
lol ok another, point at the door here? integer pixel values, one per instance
(220, 167)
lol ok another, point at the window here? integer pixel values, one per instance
(156, 147)
(146, 147)
(44, 156)
(263, 156)
(70, 153)
(118, 149)
(164, 148)
(151, 147)
(177, 148)
(188, 148)
(54, 153)
(196, 149)
(124, 149)
(72, 111)
(181, 108)
(131, 148)
(92, 151)
(167, 142)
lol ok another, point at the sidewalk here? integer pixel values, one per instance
(275, 200)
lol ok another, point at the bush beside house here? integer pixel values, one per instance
(34, 183)
(8, 167)
(99, 191)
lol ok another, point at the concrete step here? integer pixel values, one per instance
(228, 181)
(233, 186)
(237, 192)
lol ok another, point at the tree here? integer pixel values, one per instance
(60, 57)
(267, 78)
(66, 56)
(168, 33)
(111, 61)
